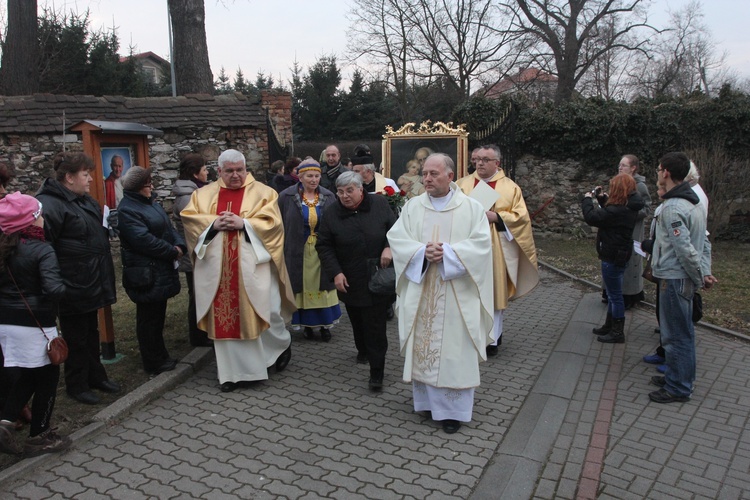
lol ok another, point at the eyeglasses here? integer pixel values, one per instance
(659, 169)
(486, 160)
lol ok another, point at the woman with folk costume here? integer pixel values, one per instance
(302, 208)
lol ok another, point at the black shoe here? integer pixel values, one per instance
(663, 396)
(228, 386)
(325, 334)
(166, 366)
(658, 381)
(376, 383)
(657, 330)
(86, 397)
(451, 426)
(283, 359)
(361, 358)
(108, 386)
(491, 350)
(308, 333)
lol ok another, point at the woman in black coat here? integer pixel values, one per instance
(150, 247)
(353, 231)
(73, 224)
(615, 217)
(30, 285)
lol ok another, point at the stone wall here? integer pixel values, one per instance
(31, 155)
(553, 192)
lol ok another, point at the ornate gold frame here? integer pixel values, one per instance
(453, 141)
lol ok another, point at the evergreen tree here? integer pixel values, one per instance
(321, 100)
(222, 85)
(103, 75)
(263, 82)
(239, 82)
(297, 89)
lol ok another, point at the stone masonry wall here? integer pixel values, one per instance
(553, 192)
(31, 155)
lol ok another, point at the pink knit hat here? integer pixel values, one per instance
(18, 211)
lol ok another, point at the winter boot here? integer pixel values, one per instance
(606, 327)
(617, 334)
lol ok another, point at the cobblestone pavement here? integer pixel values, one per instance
(547, 424)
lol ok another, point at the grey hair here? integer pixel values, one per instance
(231, 156)
(495, 148)
(349, 178)
(447, 161)
(693, 175)
(369, 166)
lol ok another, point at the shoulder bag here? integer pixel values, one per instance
(57, 348)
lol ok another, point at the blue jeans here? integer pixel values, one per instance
(612, 277)
(678, 334)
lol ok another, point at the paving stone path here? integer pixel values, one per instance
(548, 423)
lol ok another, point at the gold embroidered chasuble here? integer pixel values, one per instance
(444, 325)
(229, 256)
(514, 263)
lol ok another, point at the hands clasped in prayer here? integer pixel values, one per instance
(228, 221)
(434, 252)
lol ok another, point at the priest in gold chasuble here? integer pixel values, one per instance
(441, 253)
(514, 263)
(243, 297)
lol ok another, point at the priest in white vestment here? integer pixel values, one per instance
(442, 254)
(243, 295)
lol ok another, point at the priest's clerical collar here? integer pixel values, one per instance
(370, 186)
(442, 201)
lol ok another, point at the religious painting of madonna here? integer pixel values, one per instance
(405, 149)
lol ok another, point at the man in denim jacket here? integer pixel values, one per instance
(682, 262)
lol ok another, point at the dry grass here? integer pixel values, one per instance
(726, 305)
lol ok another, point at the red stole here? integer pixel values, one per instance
(109, 194)
(490, 184)
(226, 305)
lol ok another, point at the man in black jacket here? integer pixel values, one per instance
(332, 168)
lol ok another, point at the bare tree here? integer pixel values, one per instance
(190, 52)
(18, 72)
(563, 34)
(682, 59)
(458, 38)
(419, 41)
(381, 38)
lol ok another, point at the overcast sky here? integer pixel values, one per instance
(269, 35)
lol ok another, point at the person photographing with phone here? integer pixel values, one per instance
(614, 215)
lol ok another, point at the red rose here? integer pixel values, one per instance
(402, 193)
(389, 191)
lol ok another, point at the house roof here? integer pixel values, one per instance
(521, 79)
(43, 113)
(147, 55)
